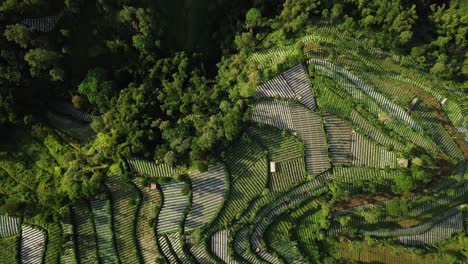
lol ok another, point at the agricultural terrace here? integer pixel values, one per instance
(344, 154)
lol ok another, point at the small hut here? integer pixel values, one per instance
(413, 104)
(403, 162)
(272, 166)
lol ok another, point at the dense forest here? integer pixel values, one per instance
(161, 90)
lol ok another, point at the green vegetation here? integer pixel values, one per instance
(41, 173)
(85, 233)
(286, 151)
(124, 203)
(54, 243)
(9, 252)
(247, 167)
(452, 251)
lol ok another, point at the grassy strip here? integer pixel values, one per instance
(9, 250)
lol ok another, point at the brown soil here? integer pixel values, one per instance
(445, 170)
(430, 101)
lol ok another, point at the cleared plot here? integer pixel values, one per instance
(287, 153)
(339, 139)
(173, 208)
(208, 190)
(166, 249)
(72, 127)
(302, 122)
(85, 234)
(297, 78)
(291, 84)
(150, 168)
(368, 154)
(309, 129)
(276, 87)
(68, 255)
(177, 246)
(33, 242)
(274, 113)
(9, 226)
(103, 223)
(146, 220)
(124, 200)
(439, 232)
(219, 246)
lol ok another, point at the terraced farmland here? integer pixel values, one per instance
(286, 152)
(9, 225)
(343, 155)
(173, 208)
(209, 190)
(85, 234)
(146, 220)
(100, 208)
(33, 243)
(367, 154)
(124, 199)
(301, 122)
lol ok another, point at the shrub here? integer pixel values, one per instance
(78, 102)
(403, 183)
(186, 189)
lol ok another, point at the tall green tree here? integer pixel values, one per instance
(18, 33)
(97, 88)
